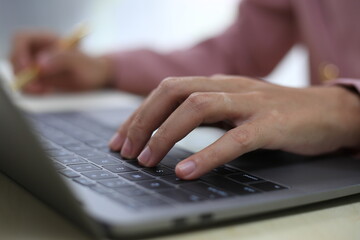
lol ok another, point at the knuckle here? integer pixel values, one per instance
(160, 139)
(246, 81)
(222, 77)
(122, 130)
(175, 86)
(137, 127)
(242, 137)
(200, 101)
(225, 98)
(259, 95)
(169, 85)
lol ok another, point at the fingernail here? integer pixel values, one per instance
(116, 142)
(145, 156)
(186, 168)
(126, 149)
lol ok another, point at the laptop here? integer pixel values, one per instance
(63, 159)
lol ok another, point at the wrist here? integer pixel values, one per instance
(349, 114)
(106, 71)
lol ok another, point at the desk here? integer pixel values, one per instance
(22, 216)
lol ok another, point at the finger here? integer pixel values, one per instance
(156, 108)
(118, 138)
(250, 136)
(27, 45)
(57, 62)
(198, 108)
(60, 70)
(163, 101)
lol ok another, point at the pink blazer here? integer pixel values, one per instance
(262, 34)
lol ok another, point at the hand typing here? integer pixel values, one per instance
(311, 120)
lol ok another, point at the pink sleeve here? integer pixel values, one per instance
(348, 82)
(261, 35)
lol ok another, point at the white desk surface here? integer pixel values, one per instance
(22, 216)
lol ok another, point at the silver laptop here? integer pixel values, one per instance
(63, 159)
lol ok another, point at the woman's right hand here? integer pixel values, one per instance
(60, 70)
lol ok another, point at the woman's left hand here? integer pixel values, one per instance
(310, 120)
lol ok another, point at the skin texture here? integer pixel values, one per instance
(60, 70)
(309, 121)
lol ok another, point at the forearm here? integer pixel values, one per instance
(252, 46)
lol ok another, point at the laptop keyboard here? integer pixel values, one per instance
(79, 149)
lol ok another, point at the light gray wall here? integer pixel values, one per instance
(57, 15)
(159, 24)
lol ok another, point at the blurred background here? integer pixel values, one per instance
(163, 25)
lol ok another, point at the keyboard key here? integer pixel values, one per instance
(110, 152)
(223, 170)
(103, 160)
(229, 185)
(207, 190)
(119, 168)
(90, 154)
(244, 178)
(114, 183)
(57, 139)
(267, 186)
(182, 196)
(170, 161)
(84, 167)
(159, 171)
(136, 176)
(66, 141)
(98, 175)
(84, 181)
(134, 163)
(58, 153)
(179, 153)
(84, 136)
(97, 143)
(78, 133)
(78, 147)
(175, 180)
(70, 160)
(69, 173)
(131, 191)
(115, 154)
(58, 166)
(155, 185)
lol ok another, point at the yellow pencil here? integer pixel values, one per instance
(27, 75)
